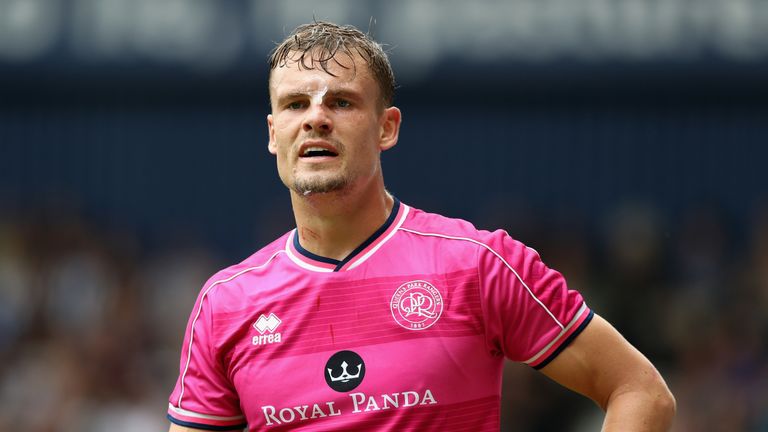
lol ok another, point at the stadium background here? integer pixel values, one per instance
(625, 140)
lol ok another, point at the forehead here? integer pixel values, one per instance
(344, 72)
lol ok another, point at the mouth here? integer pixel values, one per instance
(317, 150)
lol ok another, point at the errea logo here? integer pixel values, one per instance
(267, 324)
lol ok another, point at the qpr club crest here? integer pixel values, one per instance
(416, 305)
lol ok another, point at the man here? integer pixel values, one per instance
(373, 315)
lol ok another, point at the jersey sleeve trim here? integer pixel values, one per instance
(201, 426)
(195, 420)
(563, 339)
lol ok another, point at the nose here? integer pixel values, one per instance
(318, 119)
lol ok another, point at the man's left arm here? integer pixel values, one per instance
(600, 364)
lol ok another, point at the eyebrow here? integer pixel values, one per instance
(297, 94)
(293, 95)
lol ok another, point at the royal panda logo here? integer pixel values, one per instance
(344, 371)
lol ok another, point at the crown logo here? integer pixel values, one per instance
(345, 376)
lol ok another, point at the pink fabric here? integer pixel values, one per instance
(432, 306)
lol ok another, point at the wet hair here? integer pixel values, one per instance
(315, 44)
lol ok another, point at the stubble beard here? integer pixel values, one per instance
(318, 184)
(315, 183)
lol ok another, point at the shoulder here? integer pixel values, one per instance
(257, 264)
(425, 223)
(420, 221)
(497, 246)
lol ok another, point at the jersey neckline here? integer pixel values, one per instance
(310, 261)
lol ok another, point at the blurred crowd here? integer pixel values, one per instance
(91, 318)
(690, 292)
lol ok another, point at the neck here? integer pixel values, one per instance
(333, 224)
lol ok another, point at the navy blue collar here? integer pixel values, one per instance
(340, 264)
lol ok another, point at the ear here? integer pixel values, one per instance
(272, 147)
(390, 128)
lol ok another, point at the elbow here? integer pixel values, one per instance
(665, 400)
(665, 403)
(660, 400)
(650, 398)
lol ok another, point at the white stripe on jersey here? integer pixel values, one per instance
(200, 308)
(298, 260)
(559, 324)
(557, 338)
(202, 416)
(384, 240)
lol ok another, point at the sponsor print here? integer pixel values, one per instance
(344, 371)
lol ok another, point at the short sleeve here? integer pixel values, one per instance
(203, 398)
(531, 315)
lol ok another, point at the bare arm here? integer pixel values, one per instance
(603, 366)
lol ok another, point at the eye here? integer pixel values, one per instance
(343, 103)
(295, 105)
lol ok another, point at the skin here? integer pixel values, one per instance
(313, 108)
(601, 365)
(337, 201)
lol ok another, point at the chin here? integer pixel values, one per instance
(320, 186)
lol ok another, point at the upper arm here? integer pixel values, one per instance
(177, 428)
(600, 364)
(529, 310)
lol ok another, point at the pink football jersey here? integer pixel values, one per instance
(408, 333)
